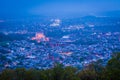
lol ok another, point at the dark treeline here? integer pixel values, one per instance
(92, 72)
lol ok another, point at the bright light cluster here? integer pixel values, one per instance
(55, 23)
(39, 37)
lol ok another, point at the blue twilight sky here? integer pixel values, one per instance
(59, 7)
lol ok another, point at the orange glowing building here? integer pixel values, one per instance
(40, 37)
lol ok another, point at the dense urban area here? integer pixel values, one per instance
(40, 43)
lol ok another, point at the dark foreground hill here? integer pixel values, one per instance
(92, 72)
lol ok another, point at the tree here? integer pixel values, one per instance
(20, 74)
(7, 74)
(57, 71)
(113, 67)
(70, 73)
(32, 74)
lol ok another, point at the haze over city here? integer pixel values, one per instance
(13, 8)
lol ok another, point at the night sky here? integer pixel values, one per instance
(59, 7)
